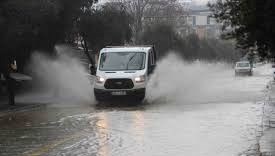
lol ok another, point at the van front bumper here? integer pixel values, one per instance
(103, 93)
(249, 72)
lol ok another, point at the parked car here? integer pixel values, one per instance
(243, 68)
(124, 71)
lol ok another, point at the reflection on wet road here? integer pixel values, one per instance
(224, 125)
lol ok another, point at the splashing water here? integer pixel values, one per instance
(63, 77)
(176, 81)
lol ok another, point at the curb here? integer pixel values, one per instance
(28, 107)
(268, 125)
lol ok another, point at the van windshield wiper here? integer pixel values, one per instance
(131, 58)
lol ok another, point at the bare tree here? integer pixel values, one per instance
(136, 9)
(163, 11)
(150, 11)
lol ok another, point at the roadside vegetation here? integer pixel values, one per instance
(27, 26)
(190, 47)
(250, 22)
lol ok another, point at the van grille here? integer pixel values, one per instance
(119, 84)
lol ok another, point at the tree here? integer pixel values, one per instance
(191, 47)
(250, 22)
(163, 36)
(136, 9)
(37, 25)
(110, 25)
(163, 11)
(152, 10)
(71, 13)
(27, 26)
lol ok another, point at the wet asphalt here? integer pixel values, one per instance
(224, 125)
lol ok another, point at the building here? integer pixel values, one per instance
(200, 22)
(189, 21)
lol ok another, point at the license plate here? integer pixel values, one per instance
(119, 93)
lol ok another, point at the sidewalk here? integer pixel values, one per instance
(267, 141)
(5, 108)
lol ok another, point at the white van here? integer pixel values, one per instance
(243, 67)
(124, 71)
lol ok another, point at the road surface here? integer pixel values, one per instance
(221, 117)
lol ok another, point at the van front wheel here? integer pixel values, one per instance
(99, 98)
(140, 97)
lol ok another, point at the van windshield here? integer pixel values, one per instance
(243, 64)
(114, 61)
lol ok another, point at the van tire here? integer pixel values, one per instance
(140, 97)
(99, 97)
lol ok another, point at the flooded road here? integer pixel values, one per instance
(206, 118)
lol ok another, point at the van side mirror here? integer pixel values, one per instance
(92, 69)
(151, 69)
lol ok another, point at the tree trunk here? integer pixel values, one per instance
(86, 51)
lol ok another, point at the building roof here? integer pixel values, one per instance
(126, 49)
(200, 12)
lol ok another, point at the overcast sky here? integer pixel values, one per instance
(199, 2)
(193, 2)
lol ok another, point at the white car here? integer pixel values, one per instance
(243, 67)
(124, 71)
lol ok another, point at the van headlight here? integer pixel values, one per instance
(140, 79)
(100, 79)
